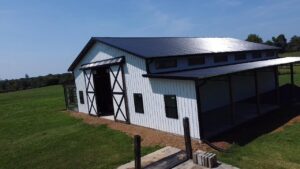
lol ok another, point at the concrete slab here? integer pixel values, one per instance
(190, 165)
(152, 157)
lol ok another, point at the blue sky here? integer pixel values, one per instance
(39, 37)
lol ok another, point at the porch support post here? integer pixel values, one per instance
(201, 130)
(292, 73)
(292, 80)
(256, 92)
(232, 103)
(275, 68)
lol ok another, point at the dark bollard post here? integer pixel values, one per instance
(137, 151)
(187, 138)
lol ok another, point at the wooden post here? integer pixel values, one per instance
(187, 138)
(232, 104)
(277, 85)
(137, 151)
(256, 92)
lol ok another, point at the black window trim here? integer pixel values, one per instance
(166, 107)
(81, 97)
(166, 60)
(256, 55)
(136, 108)
(189, 59)
(220, 55)
(240, 56)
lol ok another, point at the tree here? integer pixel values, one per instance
(254, 38)
(280, 41)
(26, 76)
(294, 44)
(268, 42)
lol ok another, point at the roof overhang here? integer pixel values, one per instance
(103, 63)
(160, 47)
(204, 73)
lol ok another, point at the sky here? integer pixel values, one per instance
(38, 37)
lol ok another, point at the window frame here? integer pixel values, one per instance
(255, 56)
(81, 97)
(217, 59)
(195, 59)
(168, 108)
(141, 103)
(165, 65)
(240, 56)
(268, 54)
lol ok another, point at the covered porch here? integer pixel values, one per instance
(231, 95)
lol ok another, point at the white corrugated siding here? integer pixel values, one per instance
(152, 90)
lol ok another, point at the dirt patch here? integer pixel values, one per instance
(289, 123)
(150, 137)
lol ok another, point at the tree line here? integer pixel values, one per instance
(34, 82)
(281, 41)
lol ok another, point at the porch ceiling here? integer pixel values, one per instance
(203, 73)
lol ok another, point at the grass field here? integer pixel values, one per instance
(35, 133)
(277, 150)
(290, 54)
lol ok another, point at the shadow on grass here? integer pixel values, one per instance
(247, 132)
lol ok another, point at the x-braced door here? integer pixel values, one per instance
(90, 92)
(119, 93)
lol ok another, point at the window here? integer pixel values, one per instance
(171, 106)
(81, 97)
(270, 54)
(138, 103)
(196, 60)
(240, 56)
(220, 58)
(165, 63)
(256, 55)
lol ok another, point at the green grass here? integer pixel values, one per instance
(278, 150)
(35, 133)
(290, 54)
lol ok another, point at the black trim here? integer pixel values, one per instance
(138, 103)
(257, 93)
(197, 88)
(158, 75)
(171, 114)
(120, 72)
(81, 98)
(215, 65)
(90, 99)
(125, 94)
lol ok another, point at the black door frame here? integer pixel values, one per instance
(124, 98)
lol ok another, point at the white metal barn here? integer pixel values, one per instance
(218, 83)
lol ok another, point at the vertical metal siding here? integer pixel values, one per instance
(152, 91)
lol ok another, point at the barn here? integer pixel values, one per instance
(218, 83)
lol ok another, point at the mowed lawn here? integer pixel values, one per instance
(36, 133)
(274, 150)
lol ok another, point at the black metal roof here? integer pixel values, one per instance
(153, 47)
(224, 70)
